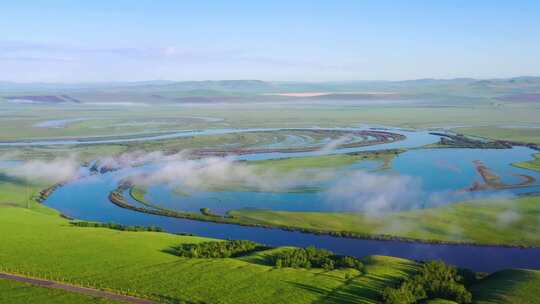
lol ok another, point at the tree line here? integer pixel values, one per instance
(116, 226)
(225, 249)
(435, 280)
(312, 257)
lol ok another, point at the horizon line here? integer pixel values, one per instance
(270, 81)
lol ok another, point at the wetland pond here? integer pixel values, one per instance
(432, 176)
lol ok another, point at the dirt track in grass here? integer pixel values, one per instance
(76, 289)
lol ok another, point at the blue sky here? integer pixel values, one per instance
(75, 41)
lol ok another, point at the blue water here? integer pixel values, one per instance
(440, 171)
(443, 170)
(146, 137)
(87, 200)
(440, 175)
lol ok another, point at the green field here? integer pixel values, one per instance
(12, 292)
(489, 222)
(505, 222)
(325, 161)
(143, 269)
(299, 165)
(86, 256)
(516, 286)
(19, 192)
(38, 242)
(526, 135)
(18, 122)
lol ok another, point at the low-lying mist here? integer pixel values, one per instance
(341, 189)
(53, 171)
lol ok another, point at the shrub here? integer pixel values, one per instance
(313, 257)
(116, 226)
(226, 249)
(434, 280)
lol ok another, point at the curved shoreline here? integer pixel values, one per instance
(45, 193)
(380, 138)
(164, 135)
(117, 198)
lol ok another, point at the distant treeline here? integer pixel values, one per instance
(225, 249)
(462, 141)
(309, 257)
(116, 226)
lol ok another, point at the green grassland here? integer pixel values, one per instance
(138, 194)
(12, 292)
(325, 161)
(21, 122)
(46, 246)
(502, 222)
(160, 107)
(302, 165)
(86, 152)
(531, 164)
(254, 139)
(83, 153)
(18, 122)
(38, 242)
(526, 135)
(19, 192)
(516, 286)
(440, 301)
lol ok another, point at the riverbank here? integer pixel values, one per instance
(371, 137)
(85, 256)
(531, 164)
(431, 226)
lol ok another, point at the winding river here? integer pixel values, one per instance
(438, 170)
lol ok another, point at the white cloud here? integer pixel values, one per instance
(374, 193)
(57, 170)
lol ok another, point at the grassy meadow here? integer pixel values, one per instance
(516, 286)
(18, 192)
(325, 161)
(12, 292)
(22, 122)
(526, 135)
(46, 246)
(510, 222)
(38, 242)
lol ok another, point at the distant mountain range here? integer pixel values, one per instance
(242, 90)
(253, 85)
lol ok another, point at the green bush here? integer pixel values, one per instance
(434, 280)
(312, 257)
(226, 249)
(116, 226)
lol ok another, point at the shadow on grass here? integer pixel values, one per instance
(362, 289)
(502, 284)
(172, 300)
